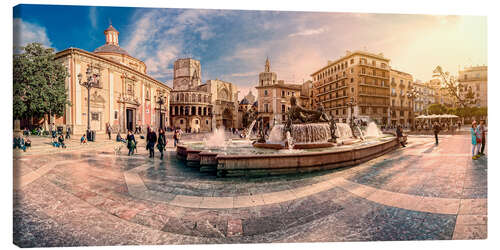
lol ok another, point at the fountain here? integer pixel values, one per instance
(308, 141)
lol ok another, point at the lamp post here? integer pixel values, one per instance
(412, 94)
(161, 101)
(92, 80)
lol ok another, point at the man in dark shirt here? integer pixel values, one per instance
(151, 141)
(436, 129)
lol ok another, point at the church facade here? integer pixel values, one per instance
(126, 96)
(201, 107)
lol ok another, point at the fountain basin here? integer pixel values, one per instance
(274, 162)
(295, 146)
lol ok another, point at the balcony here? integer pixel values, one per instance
(373, 85)
(372, 75)
(372, 94)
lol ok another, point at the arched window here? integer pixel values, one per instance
(182, 97)
(181, 110)
(193, 110)
(176, 110)
(199, 109)
(205, 111)
(199, 97)
(186, 111)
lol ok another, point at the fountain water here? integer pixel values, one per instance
(372, 130)
(216, 139)
(302, 133)
(289, 139)
(250, 129)
(343, 131)
(360, 133)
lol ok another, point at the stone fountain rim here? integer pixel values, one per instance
(218, 155)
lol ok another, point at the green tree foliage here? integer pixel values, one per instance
(38, 83)
(437, 109)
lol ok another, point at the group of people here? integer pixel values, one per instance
(478, 134)
(448, 126)
(22, 143)
(152, 139)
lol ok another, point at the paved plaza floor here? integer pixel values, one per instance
(95, 197)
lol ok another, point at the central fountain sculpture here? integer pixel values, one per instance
(309, 140)
(303, 129)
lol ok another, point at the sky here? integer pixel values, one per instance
(232, 45)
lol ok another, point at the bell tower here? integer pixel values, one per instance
(111, 35)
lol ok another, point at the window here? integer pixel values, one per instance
(116, 115)
(352, 61)
(352, 71)
(181, 121)
(465, 77)
(282, 93)
(363, 71)
(352, 90)
(265, 92)
(393, 102)
(266, 108)
(293, 93)
(206, 122)
(282, 108)
(95, 116)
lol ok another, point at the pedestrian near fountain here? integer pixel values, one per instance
(436, 129)
(476, 141)
(162, 142)
(482, 130)
(399, 135)
(151, 141)
(131, 143)
(108, 130)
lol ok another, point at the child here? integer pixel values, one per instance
(83, 139)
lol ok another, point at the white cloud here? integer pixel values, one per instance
(308, 32)
(93, 16)
(161, 36)
(26, 32)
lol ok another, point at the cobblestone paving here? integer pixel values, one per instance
(94, 197)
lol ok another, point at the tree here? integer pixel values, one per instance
(38, 83)
(437, 109)
(464, 97)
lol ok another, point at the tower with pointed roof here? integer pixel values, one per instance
(267, 77)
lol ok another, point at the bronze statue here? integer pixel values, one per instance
(298, 114)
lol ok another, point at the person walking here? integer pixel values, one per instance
(436, 129)
(476, 141)
(131, 143)
(150, 143)
(108, 131)
(482, 130)
(176, 140)
(68, 132)
(399, 135)
(162, 142)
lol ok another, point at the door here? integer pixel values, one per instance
(95, 121)
(130, 119)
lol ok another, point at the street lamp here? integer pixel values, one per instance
(161, 101)
(92, 81)
(412, 94)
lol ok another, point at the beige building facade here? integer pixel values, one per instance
(401, 111)
(359, 77)
(476, 78)
(273, 97)
(126, 96)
